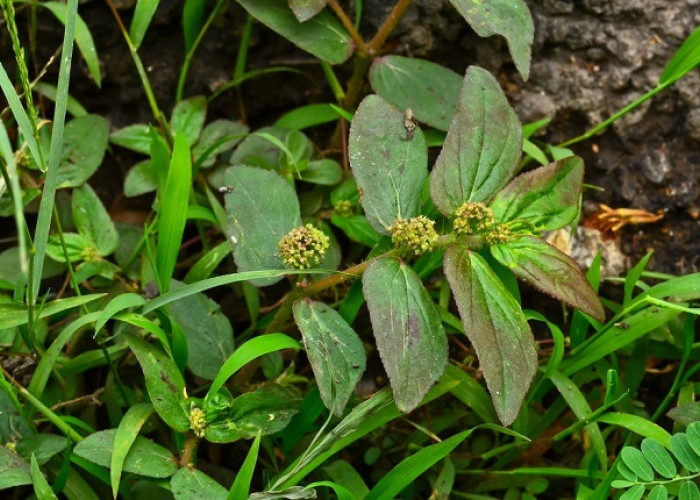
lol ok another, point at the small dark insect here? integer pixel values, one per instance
(410, 123)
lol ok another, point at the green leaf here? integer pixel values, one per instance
(509, 18)
(550, 271)
(633, 276)
(92, 220)
(689, 491)
(42, 446)
(206, 265)
(262, 208)
(164, 383)
(84, 144)
(406, 472)
(192, 16)
(307, 116)
(390, 167)
(124, 438)
(13, 314)
(306, 9)
(407, 329)
(482, 147)
(659, 458)
(684, 452)
(188, 118)
(341, 472)
(241, 485)
(546, 197)
(324, 172)
(323, 35)
(254, 348)
(693, 434)
(141, 20)
(634, 493)
(684, 60)
(14, 470)
(191, 484)
(496, 326)
(658, 492)
(172, 214)
(638, 425)
(142, 178)
(83, 38)
(218, 137)
(258, 150)
(208, 333)
(134, 137)
(262, 411)
(77, 247)
(144, 458)
(471, 393)
(41, 485)
(357, 228)
(335, 352)
(635, 461)
(428, 89)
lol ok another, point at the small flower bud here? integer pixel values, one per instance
(499, 234)
(198, 421)
(344, 208)
(417, 234)
(304, 247)
(473, 218)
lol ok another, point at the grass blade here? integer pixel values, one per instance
(125, 436)
(241, 485)
(254, 348)
(41, 486)
(172, 214)
(142, 19)
(43, 223)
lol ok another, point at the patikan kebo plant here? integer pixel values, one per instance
(484, 219)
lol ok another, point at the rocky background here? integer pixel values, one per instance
(591, 57)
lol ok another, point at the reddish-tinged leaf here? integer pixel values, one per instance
(482, 148)
(549, 270)
(407, 329)
(546, 197)
(496, 326)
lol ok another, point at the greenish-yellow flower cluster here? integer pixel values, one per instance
(498, 234)
(344, 208)
(198, 421)
(473, 218)
(416, 234)
(304, 247)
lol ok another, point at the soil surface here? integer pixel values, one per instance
(591, 57)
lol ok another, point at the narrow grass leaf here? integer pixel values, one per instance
(192, 17)
(83, 37)
(144, 323)
(579, 405)
(206, 265)
(341, 492)
(638, 425)
(633, 276)
(141, 20)
(124, 438)
(471, 393)
(13, 314)
(41, 485)
(117, 305)
(254, 348)
(20, 115)
(172, 214)
(43, 224)
(240, 489)
(307, 116)
(684, 60)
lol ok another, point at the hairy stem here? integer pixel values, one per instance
(187, 457)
